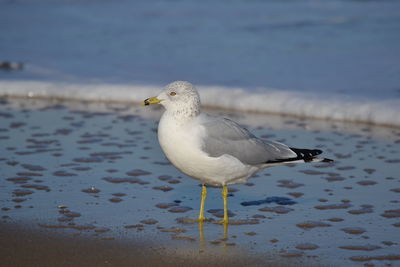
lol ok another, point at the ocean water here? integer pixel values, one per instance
(327, 59)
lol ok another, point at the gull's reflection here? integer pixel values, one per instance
(202, 239)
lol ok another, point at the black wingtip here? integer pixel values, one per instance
(307, 155)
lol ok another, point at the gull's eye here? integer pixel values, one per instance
(172, 94)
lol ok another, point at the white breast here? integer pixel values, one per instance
(179, 143)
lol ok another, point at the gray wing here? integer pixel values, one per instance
(224, 136)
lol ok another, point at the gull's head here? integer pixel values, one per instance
(178, 97)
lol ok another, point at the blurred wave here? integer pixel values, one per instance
(265, 100)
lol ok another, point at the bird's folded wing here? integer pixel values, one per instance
(223, 136)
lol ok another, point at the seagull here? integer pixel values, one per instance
(215, 150)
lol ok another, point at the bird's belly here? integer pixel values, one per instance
(192, 161)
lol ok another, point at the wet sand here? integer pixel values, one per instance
(86, 184)
(23, 246)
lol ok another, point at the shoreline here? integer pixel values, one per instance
(281, 103)
(248, 119)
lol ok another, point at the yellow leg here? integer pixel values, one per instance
(203, 198)
(225, 198)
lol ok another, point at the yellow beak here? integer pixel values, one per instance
(151, 100)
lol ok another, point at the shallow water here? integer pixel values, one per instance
(96, 170)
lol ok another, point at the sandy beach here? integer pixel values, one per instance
(86, 184)
(29, 246)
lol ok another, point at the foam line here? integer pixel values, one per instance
(315, 105)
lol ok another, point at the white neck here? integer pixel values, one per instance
(184, 114)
